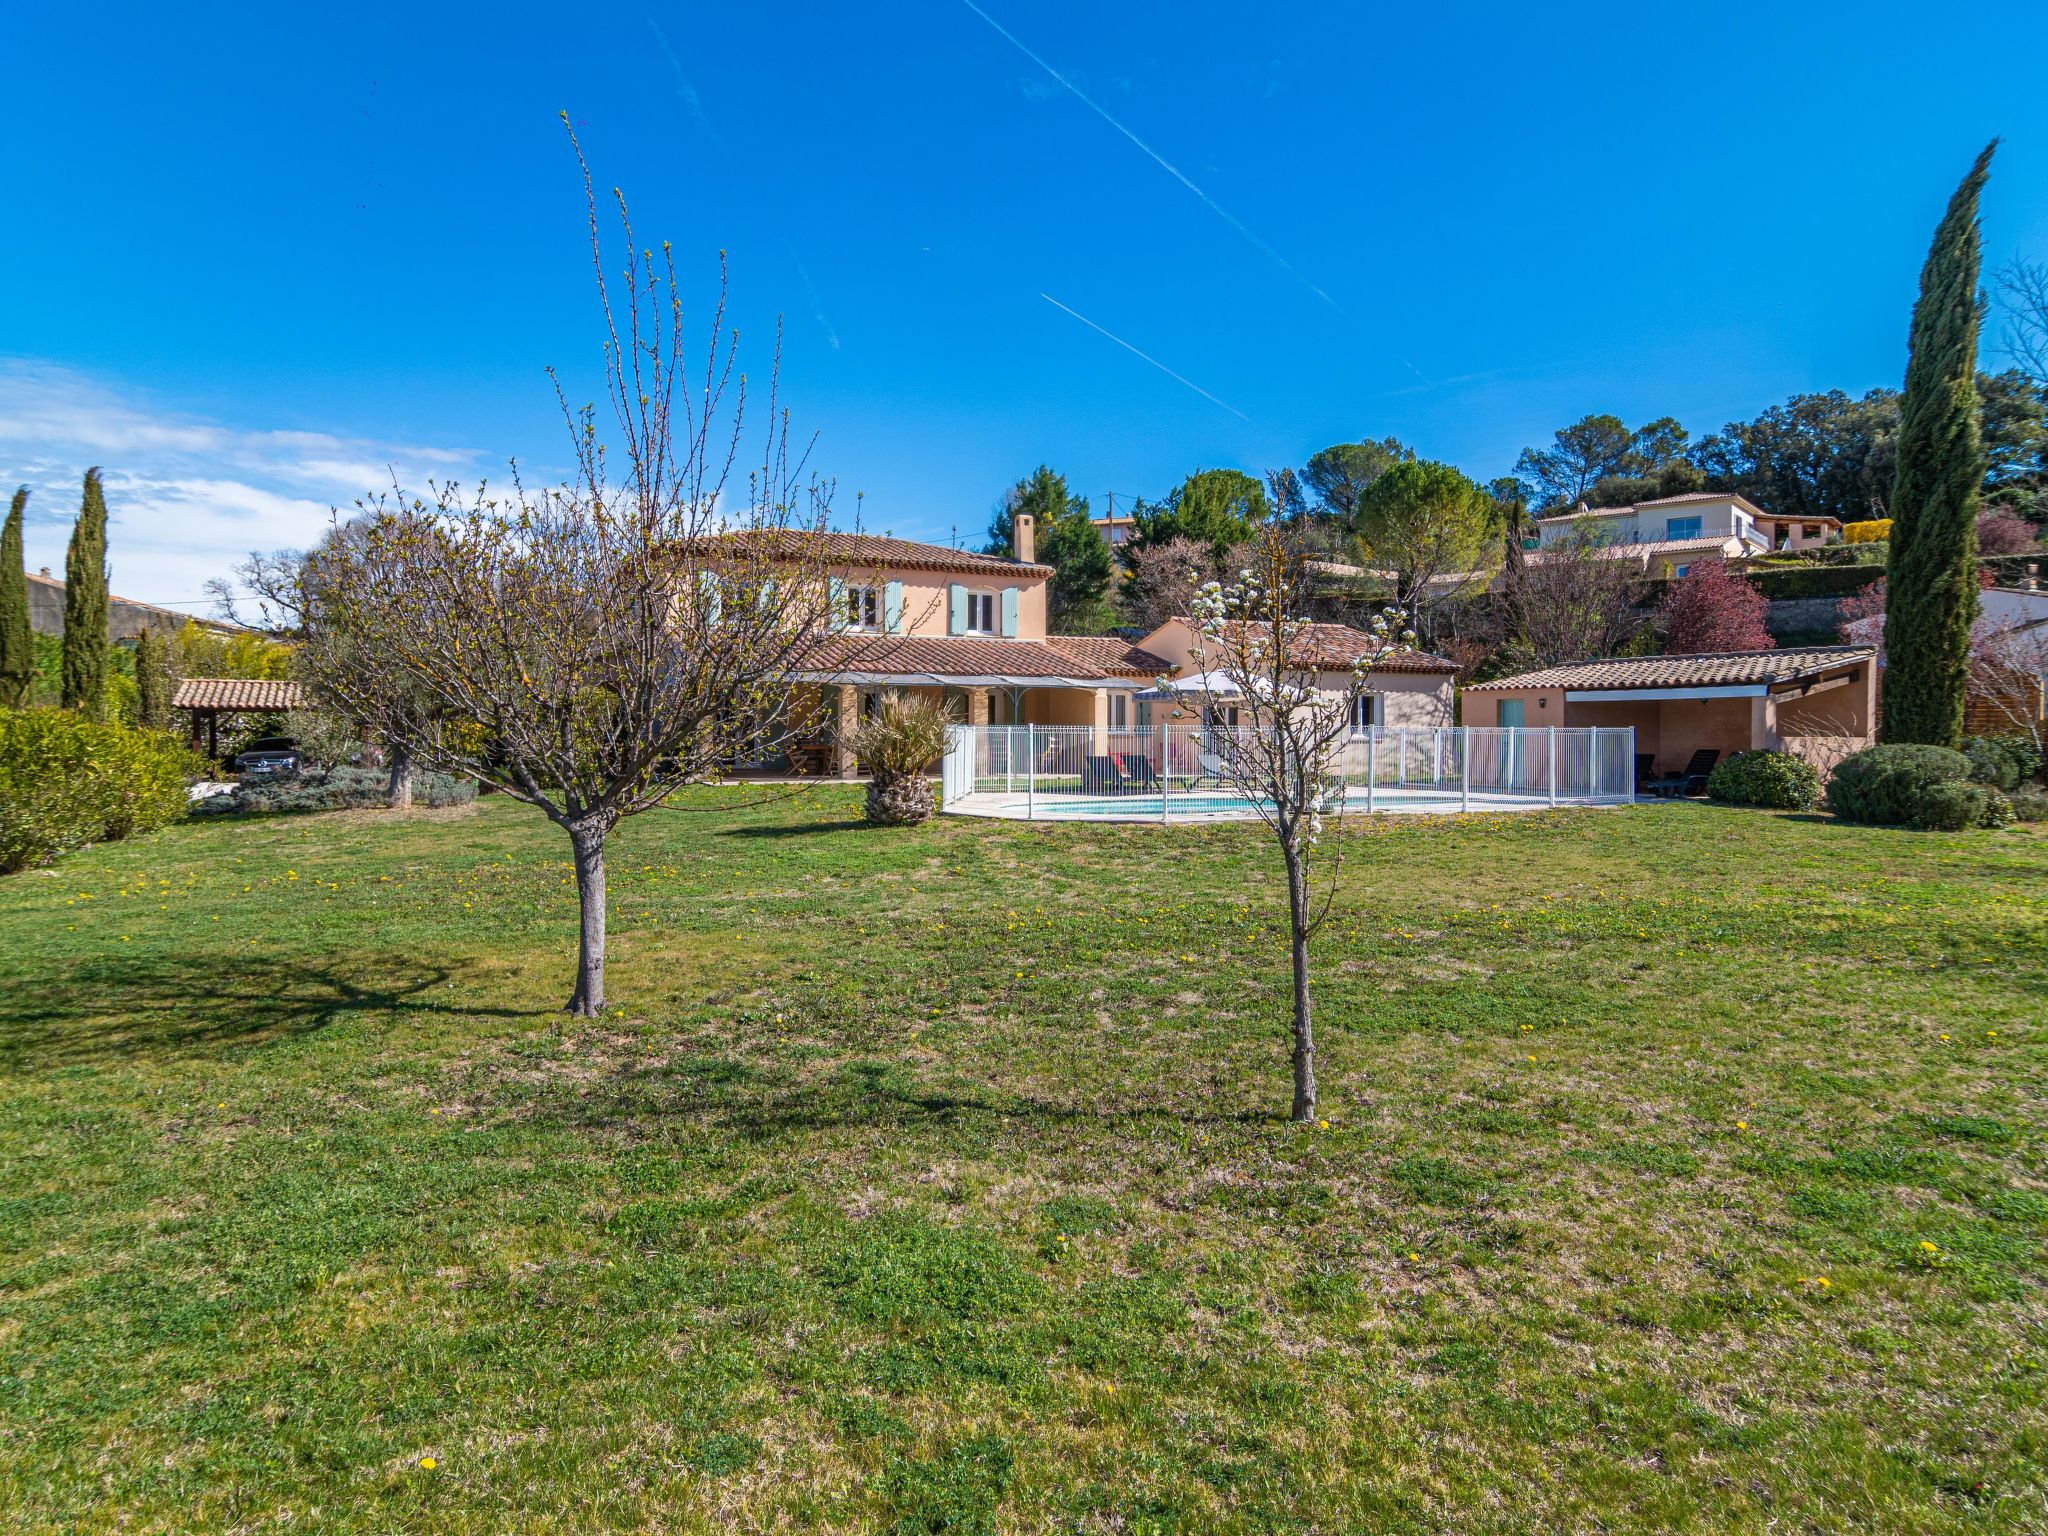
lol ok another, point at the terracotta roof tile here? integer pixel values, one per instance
(261, 694)
(1117, 657)
(871, 550)
(1715, 669)
(1334, 647)
(921, 656)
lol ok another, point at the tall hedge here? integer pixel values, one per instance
(85, 606)
(66, 781)
(17, 643)
(1931, 575)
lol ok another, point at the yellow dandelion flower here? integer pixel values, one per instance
(428, 1463)
(1927, 1247)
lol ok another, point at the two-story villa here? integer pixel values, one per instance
(925, 619)
(1669, 534)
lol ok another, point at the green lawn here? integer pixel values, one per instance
(940, 1180)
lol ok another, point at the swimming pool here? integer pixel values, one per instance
(1146, 807)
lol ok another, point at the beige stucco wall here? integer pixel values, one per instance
(927, 602)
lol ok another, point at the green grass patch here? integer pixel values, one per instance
(1684, 1171)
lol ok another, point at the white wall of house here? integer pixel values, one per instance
(1707, 518)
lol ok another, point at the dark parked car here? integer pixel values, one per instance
(267, 755)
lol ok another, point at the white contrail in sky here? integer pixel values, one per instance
(1056, 304)
(1165, 164)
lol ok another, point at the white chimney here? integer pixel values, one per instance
(1024, 536)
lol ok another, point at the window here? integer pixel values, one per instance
(1680, 570)
(1119, 711)
(981, 613)
(1682, 527)
(1514, 713)
(1809, 530)
(863, 608)
(1367, 712)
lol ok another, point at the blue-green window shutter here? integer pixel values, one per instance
(707, 587)
(892, 607)
(835, 597)
(1512, 712)
(956, 609)
(1009, 611)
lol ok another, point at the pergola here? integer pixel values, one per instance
(206, 699)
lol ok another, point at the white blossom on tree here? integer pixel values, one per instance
(1286, 754)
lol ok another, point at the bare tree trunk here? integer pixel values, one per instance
(1304, 1029)
(587, 840)
(399, 790)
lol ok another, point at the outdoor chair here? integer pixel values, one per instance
(1101, 775)
(1213, 768)
(1693, 781)
(1646, 770)
(1136, 771)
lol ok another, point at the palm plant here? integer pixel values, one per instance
(898, 745)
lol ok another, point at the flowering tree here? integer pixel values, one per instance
(1710, 608)
(589, 647)
(1286, 756)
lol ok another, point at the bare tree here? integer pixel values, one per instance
(1573, 600)
(2008, 675)
(590, 647)
(1286, 756)
(2023, 295)
(1165, 578)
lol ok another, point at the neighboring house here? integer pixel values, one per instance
(1666, 536)
(1115, 529)
(1406, 689)
(126, 618)
(1817, 701)
(926, 620)
(1797, 532)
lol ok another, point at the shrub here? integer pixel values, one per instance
(1777, 781)
(1950, 807)
(2003, 762)
(1883, 786)
(1870, 531)
(66, 782)
(332, 789)
(898, 747)
(2029, 805)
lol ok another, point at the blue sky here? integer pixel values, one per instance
(250, 257)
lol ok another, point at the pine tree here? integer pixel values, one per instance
(152, 681)
(17, 644)
(1931, 573)
(85, 606)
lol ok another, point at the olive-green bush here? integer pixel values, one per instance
(1776, 781)
(66, 782)
(2003, 762)
(332, 789)
(1914, 786)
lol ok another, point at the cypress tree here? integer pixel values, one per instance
(152, 681)
(1931, 571)
(85, 606)
(17, 645)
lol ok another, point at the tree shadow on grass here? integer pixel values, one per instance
(117, 1008)
(800, 828)
(755, 1104)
